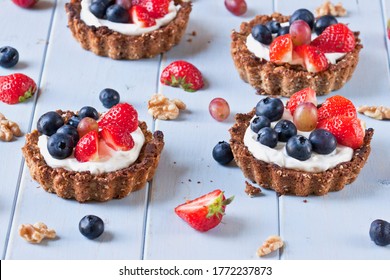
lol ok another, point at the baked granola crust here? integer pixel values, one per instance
(84, 186)
(105, 42)
(285, 79)
(290, 181)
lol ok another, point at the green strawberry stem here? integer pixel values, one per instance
(216, 208)
(28, 94)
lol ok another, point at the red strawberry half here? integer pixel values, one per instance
(335, 38)
(314, 59)
(156, 8)
(335, 106)
(304, 95)
(87, 147)
(141, 16)
(117, 138)
(205, 212)
(123, 115)
(182, 74)
(281, 49)
(16, 88)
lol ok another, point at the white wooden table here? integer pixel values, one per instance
(144, 225)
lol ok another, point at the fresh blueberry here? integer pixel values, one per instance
(299, 147)
(117, 13)
(285, 129)
(273, 26)
(323, 22)
(259, 122)
(262, 34)
(70, 130)
(88, 111)
(9, 56)
(74, 121)
(283, 31)
(380, 232)
(91, 226)
(222, 153)
(109, 97)
(267, 136)
(60, 145)
(49, 122)
(322, 141)
(270, 107)
(303, 14)
(99, 7)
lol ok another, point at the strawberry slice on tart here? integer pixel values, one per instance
(336, 105)
(304, 95)
(335, 38)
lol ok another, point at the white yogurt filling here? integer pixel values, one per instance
(116, 161)
(126, 28)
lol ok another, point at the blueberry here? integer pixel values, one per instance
(299, 147)
(323, 22)
(9, 56)
(117, 13)
(285, 129)
(262, 34)
(268, 136)
(88, 111)
(109, 97)
(270, 107)
(74, 121)
(303, 14)
(322, 141)
(98, 9)
(380, 232)
(49, 122)
(70, 130)
(259, 122)
(283, 31)
(273, 26)
(60, 145)
(222, 153)
(91, 226)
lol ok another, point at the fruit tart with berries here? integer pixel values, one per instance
(301, 148)
(91, 156)
(128, 29)
(280, 55)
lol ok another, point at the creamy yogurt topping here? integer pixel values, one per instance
(126, 28)
(116, 161)
(279, 156)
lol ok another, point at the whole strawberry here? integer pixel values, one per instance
(25, 3)
(182, 74)
(336, 106)
(123, 115)
(205, 212)
(16, 88)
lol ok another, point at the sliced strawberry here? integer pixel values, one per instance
(16, 88)
(205, 212)
(87, 147)
(314, 59)
(141, 17)
(123, 115)
(348, 131)
(155, 8)
(281, 49)
(335, 38)
(117, 138)
(304, 95)
(336, 106)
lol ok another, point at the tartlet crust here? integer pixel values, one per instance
(105, 42)
(285, 79)
(290, 181)
(84, 186)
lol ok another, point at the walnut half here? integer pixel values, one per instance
(273, 243)
(162, 108)
(8, 129)
(376, 112)
(36, 233)
(327, 8)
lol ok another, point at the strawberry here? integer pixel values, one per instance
(155, 8)
(314, 59)
(205, 212)
(336, 105)
(25, 3)
(348, 131)
(123, 115)
(87, 147)
(335, 38)
(184, 74)
(388, 29)
(117, 138)
(141, 17)
(16, 88)
(281, 49)
(304, 95)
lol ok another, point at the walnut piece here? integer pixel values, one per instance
(8, 129)
(327, 8)
(36, 233)
(251, 190)
(273, 243)
(162, 108)
(376, 112)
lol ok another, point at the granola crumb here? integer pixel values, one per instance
(251, 190)
(305, 201)
(189, 40)
(193, 33)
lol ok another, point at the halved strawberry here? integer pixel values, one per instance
(281, 49)
(123, 115)
(335, 38)
(205, 212)
(304, 95)
(117, 138)
(141, 16)
(348, 131)
(155, 8)
(314, 59)
(336, 105)
(87, 147)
